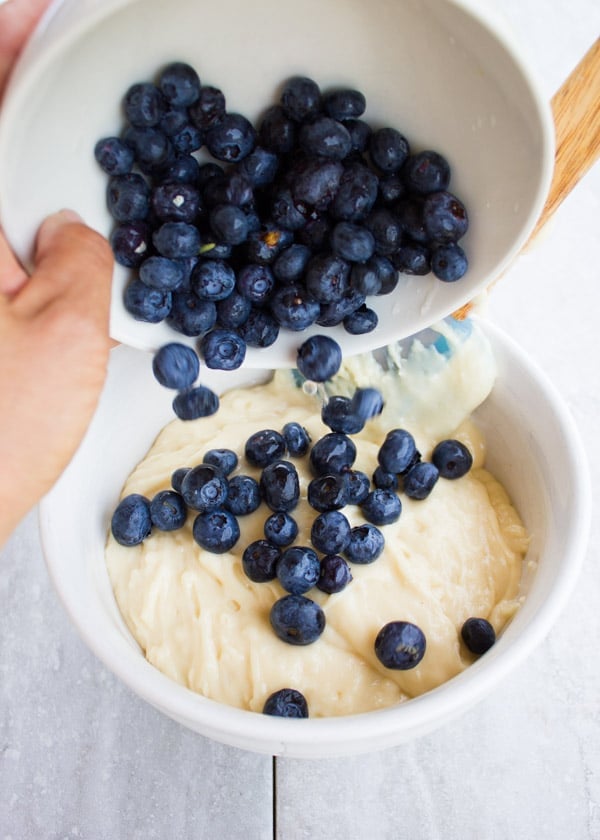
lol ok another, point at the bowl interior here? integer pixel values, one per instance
(437, 70)
(551, 493)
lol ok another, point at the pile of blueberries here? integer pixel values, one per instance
(294, 222)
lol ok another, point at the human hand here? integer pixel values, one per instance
(53, 333)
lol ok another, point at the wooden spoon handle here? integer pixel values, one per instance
(576, 110)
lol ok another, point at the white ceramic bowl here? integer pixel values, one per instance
(542, 465)
(445, 72)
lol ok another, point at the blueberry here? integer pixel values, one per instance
(195, 403)
(131, 522)
(388, 149)
(168, 511)
(381, 507)
(294, 308)
(233, 310)
(337, 413)
(315, 181)
(412, 258)
(204, 488)
(130, 242)
(398, 453)
(452, 458)
(367, 403)
(280, 486)
(287, 702)
(444, 217)
(189, 139)
(284, 210)
(296, 439)
(162, 273)
(386, 230)
(177, 478)
(290, 264)
(264, 447)
(330, 532)
(335, 574)
(128, 197)
(176, 240)
(146, 304)
(301, 98)
(391, 188)
(183, 169)
(360, 134)
(344, 104)
(365, 279)
(449, 262)
(326, 137)
(209, 108)
(152, 148)
(232, 187)
(352, 242)
(256, 282)
(361, 321)
(231, 139)
(225, 460)
(114, 156)
(327, 492)
(280, 529)
(213, 280)
(326, 277)
(358, 486)
(316, 231)
(216, 531)
(409, 212)
(173, 120)
(319, 358)
(243, 496)
(190, 315)
(298, 569)
(400, 645)
(277, 131)
(260, 166)
(297, 620)
(420, 480)
(260, 329)
(144, 105)
(334, 313)
(366, 544)
(207, 171)
(356, 195)
(333, 453)
(179, 84)
(223, 349)
(386, 272)
(478, 635)
(229, 223)
(259, 561)
(265, 243)
(385, 480)
(176, 366)
(176, 202)
(426, 172)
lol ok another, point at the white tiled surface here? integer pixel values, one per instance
(81, 757)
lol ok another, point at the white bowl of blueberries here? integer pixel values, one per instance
(287, 200)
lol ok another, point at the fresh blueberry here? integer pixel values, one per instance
(296, 439)
(301, 98)
(319, 358)
(131, 522)
(420, 480)
(426, 172)
(388, 149)
(207, 171)
(176, 366)
(146, 304)
(366, 544)
(398, 453)
(409, 212)
(231, 139)
(130, 242)
(216, 531)
(358, 486)
(365, 279)
(204, 488)
(260, 329)
(223, 349)
(168, 511)
(264, 244)
(179, 84)
(330, 532)
(412, 258)
(449, 262)
(338, 415)
(367, 403)
(162, 273)
(385, 480)
(277, 131)
(259, 561)
(177, 478)
(114, 156)
(128, 197)
(382, 507)
(195, 403)
(224, 460)
(290, 264)
(213, 280)
(334, 313)
(233, 187)
(478, 635)
(352, 242)
(280, 529)
(325, 137)
(294, 308)
(208, 109)
(229, 223)
(444, 217)
(326, 277)
(315, 181)
(452, 458)
(152, 148)
(335, 574)
(244, 495)
(386, 272)
(327, 492)
(233, 311)
(344, 104)
(183, 169)
(391, 188)
(386, 230)
(333, 453)
(264, 447)
(173, 121)
(256, 282)
(191, 316)
(144, 105)
(284, 210)
(287, 703)
(189, 139)
(297, 620)
(176, 202)
(298, 569)
(360, 134)
(280, 486)
(176, 240)
(260, 166)
(316, 231)
(400, 645)
(362, 320)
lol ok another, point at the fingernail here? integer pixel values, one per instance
(64, 216)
